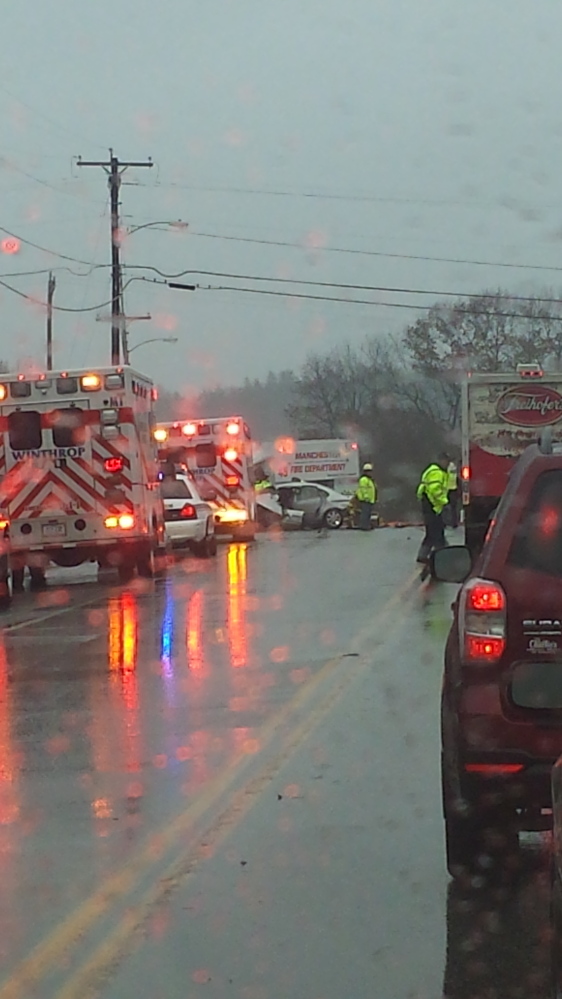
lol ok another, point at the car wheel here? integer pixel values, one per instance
(333, 518)
(206, 548)
(479, 840)
(17, 580)
(462, 841)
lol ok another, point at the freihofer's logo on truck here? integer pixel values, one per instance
(530, 405)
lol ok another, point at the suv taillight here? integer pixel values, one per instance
(482, 622)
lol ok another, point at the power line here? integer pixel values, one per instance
(62, 308)
(359, 287)
(45, 249)
(353, 301)
(11, 166)
(375, 253)
(334, 196)
(298, 246)
(299, 281)
(52, 121)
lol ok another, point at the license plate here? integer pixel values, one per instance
(54, 530)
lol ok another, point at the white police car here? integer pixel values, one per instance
(189, 519)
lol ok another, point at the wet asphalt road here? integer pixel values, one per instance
(227, 784)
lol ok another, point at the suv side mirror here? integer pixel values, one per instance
(452, 564)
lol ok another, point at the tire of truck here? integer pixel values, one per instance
(161, 562)
(145, 565)
(37, 578)
(126, 564)
(474, 537)
(125, 572)
(5, 592)
(17, 580)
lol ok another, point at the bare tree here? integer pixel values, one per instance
(490, 333)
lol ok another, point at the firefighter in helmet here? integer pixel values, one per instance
(366, 495)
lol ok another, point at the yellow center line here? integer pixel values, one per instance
(92, 975)
(47, 954)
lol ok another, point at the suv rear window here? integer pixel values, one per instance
(24, 430)
(175, 489)
(537, 544)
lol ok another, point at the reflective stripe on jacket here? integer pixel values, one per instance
(366, 491)
(435, 485)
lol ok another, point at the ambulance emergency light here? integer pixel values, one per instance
(90, 383)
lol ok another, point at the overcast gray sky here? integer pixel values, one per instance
(398, 127)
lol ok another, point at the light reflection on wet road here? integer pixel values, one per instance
(237, 768)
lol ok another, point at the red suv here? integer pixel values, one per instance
(501, 725)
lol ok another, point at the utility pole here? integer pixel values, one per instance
(50, 292)
(114, 168)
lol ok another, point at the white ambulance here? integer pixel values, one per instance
(218, 453)
(79, 471)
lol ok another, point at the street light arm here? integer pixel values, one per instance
(154, 339)
(148, 225)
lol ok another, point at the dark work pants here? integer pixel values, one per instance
(434, 529)
(365, 510)
(454, 502)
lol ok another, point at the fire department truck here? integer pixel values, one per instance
(218, 453)
(79, 471)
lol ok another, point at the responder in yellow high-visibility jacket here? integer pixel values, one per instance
(366, 495)
(433, 492)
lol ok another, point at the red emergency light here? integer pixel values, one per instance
(114, 465)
